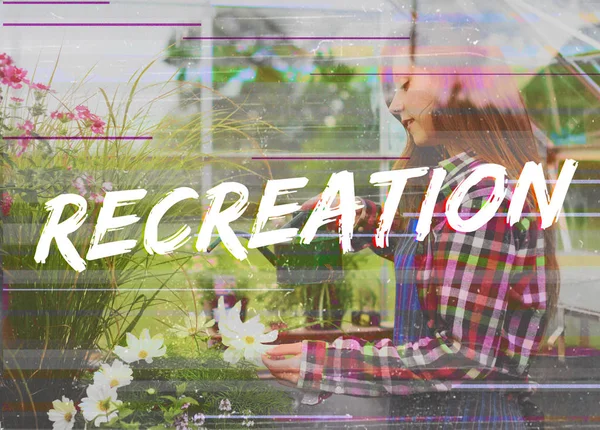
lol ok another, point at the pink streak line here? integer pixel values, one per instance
(78, 138)
(274, 157)
(98, 24)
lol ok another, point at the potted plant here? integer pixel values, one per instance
(366, 316)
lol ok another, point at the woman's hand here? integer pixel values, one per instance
(283, 362)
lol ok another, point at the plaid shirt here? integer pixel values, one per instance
(482, 293)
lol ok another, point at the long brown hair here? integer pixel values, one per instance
(480, 108)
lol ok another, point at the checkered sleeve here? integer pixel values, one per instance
(464, 290)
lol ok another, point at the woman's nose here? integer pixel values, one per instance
(396, 106)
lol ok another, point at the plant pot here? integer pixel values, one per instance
(366, 319)
(322, 307)
(315, 263)
(331, 319)
(278, 326)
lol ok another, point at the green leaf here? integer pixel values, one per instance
(131, 425)
(189, 400)
(111, 423)
(180, 389)
(124, 413)
(171, 398)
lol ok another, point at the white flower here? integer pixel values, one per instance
(198, 419)
(337, 105)
(225, 405)
(330, 121)
(63, 414)
(115, 376)
(100, 405)
(243, 339)
(194, 325)
(144, 348)
(247, 421)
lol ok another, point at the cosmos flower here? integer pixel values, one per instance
(194, 325)
(5, 60)
(100, 405)
(144, 348)
(26, 126)
(39, 87)
(243, 339)
(62, 116)
(62, 414)
(114, 376)
(13, 76)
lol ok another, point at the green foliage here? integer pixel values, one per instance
(164, 388)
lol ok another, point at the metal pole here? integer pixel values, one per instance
(206, 103)
(384, 144)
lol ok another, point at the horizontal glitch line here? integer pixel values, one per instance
(525, 386)
(307, 157)
(454, 74)
(142, 289)
(98, 24)
(291, 38)
(78, 138)
(56, 2)
(503, 215)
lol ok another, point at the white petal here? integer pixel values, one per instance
(145, 335)
(232, 355)
(126, 354)
(269, 337)
(132, 341)
(54, 415)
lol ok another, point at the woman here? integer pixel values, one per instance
(470, 307)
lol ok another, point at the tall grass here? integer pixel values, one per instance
(56, 313)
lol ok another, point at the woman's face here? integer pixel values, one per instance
(413, 103)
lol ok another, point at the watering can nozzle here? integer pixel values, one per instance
(297, 221)
(264, 251)
(301, 264)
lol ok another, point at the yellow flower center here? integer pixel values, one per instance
(192, 331)
(104, 405)
(114, 383)
(68, 416)
(143, 354)
(249, 340)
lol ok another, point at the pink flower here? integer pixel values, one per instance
(83, 112)
(97, 125)
(87, 184)
(7, 200)
(62, 116)
(39, 87)
(93, 121)
(13, 76)
(17, 100)
(98, 198)
(24, 144)
(27, 126)
(5, 60)
(79, 184)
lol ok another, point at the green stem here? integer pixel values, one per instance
(197, 347)
(322, 303)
